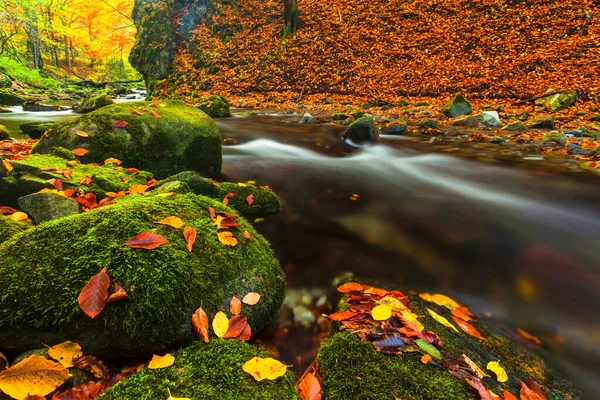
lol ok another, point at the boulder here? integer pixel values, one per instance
(305, 118)
(31, 174)
(163, 140)
(396, 128)
(36, 107)
(544, 122)
(214, 106)
(10, 227)
(92, 103)
(43, 270)
(362, 130)
(47, 206)
(427, 123)
(457, 106)
(4, 133)
(4, 110)
(555, 137)
(560, 101)
(35, 130)
(9, 98)
(517, 126)
(198, 373)
(489, 118)
(465, 120)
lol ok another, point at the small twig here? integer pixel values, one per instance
(301, 94)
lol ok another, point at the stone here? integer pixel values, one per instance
(47, 206)
(5, 110)
(489, 118)
(517, 126)
(199, 371)
(9, 98)
(543, 122)
(305, 118)
(560, 101)
(10, 227)
(165, 285)
(92, 103)
(183, 138)
(457, 106)
(396, 128)
(214, 106)
(36, 107)
(555, 137)
(4, 133)
(427, 123)
(35, 130)
(362, 130)
(465, 120)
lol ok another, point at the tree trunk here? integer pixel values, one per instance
(34, 44)
(291, 22)
(67, 52)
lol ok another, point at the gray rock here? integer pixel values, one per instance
(544, 122)
(457, 106)
(516, 126)
(305, 118)
(47, 206)
(427, 123)
(397, 128)
(555, 137)
(489, 118)
(362, 130)
(575, 150)
(36, 107)
(8, 98)
(560, 101)
(465, 120)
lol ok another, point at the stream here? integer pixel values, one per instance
(520, 244)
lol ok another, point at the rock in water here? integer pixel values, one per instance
(36, 107)
(489, 118)
(9, 98)
(397, 128)
(214, 106)
(544, 122)
(516, 126)
(362, 130)
(47, 206)
(198, 373)
(457, 106)
(43, 270)
(164, 140)
(92, 103)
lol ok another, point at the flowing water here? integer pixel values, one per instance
(521, 244)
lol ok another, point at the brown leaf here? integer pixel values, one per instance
(237, 324)
(200, 324)
(482, 390)
(91, 364)
(235, 306)
(57, 183)
(309, 388)
(532, 391)
(146, 240)
(246, 333)
(85, 180)
(93, 296)
(190, 237)
(117, 293)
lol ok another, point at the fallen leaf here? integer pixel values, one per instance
(154, 114)
(93, 296)
(235, 306)
(81, 133)
(146, 240)
(9, 167)
(117, 293)
(392, 302)
(200, 324)
(225, 201)
(71, 163)
(462, 313)
(220, 324)
(529, 336)
(442, 320)
(159, 362)
(381, 312)
(440, 300)
(113, 195)
(426, 359)
(125, 179)
(227, 238)
(390, 343)
(467, 328)
(80, 152)
(508, 395)
(250, 199)
(175, 222)
(309, 388)
(120, 123)
(496, 368)
(264, 368)
(93, 365)
(251, 298)
(35, 375)
(137, 189)
(112, 160)
(429, 349)
(85, 180)
(176, 398)
(237, 324)
(247, 236)
(474, 367)
(57, 183)
(3, 362)
(132, 170)
(65, 352)
(246, 333)
(19, 216)
(134, 111)
(350, 287)
(226, 221)
(341, 315)
(413, 319)
(190, 237)
(482, 390)
(526, 393)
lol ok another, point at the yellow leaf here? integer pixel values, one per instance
(158, 362)
(163, 195)
(442, 320)
(35, 375)
(220, 324)
(72, 163)
(9, 167)
(138, 189)
(112, 161)
(381, 312)
(412, 317)
(264, 368)
(474, 367)
(495, 367)
(175, 222)
(392, 302)
(440, 300)
(81, 133)
(19, 216)
(65, 352)
(227, 238)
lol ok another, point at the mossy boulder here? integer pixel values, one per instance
(31, 174)
(92, 103)
(183, 138)
(10, 98)
(516, 126)
(427, 123)
(362, 130)
(555, 137)
(47, 206)
(396, 128)
(35, 130)
(4, 133)
(9, 228)
(43, 270)
(543, 122)
(195, 182)
(560, 101)
(205, 371)
(214, 106)
(457, 106)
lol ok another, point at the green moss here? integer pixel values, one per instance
(4, 133)
(92, 103)
(197, 183)
(43, 270)
(178, 187)
(63, 153)
(214, 105)
(353, 369)
(183, 138)
(457, 106)
(265, 200)
(205, 371)
(9, 228)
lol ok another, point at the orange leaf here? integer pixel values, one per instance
(250, 199)
(120, 124)
(145, 240)
(462, 313)
(237, 323)
(200, 324)
(93, 296)
(482, 390)
(85, 180)
(80, 152)
(211, 212)
(309, 388)
(528, 393)
(529, 336)
(341, 315)
(350, 287)
(137, 189)
(426, 358)
(72, 163)
(154, 114)
(508, 395)
(69, 193)
(132, 170)
(251, 298)
(112, 160)
(9, 167)
(117, 293)
(225, 201)
(235, 306)
(227, 238)
(57, 183)
(468, 328)
(124, 179)
(190, 237)
(134, 111)
(113, 195)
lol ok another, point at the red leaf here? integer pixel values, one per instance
(145, 240)
(468, 328)
(120, 124)
(250, 199)
(342, 315)
(93, 296)
(190, 237)
(532, 391)
(117, 293)
(478, 385)
(246, 333)
(237, 324)
(309, 388)
(57, 183)
(200, 324)
(350, 287)
(79, 392)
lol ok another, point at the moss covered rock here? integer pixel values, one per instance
(35, 130)
(92, 103)
(43, 270)
(196, 183)
(10, 98)
(214, 105)
(516, 126)
(4, 133)
(46, 206)
(9, 228)
(560, 101)
(183, 138)
(362, 130)
(396, 128)
(457, 106)
(205, 371)
(31, 174)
